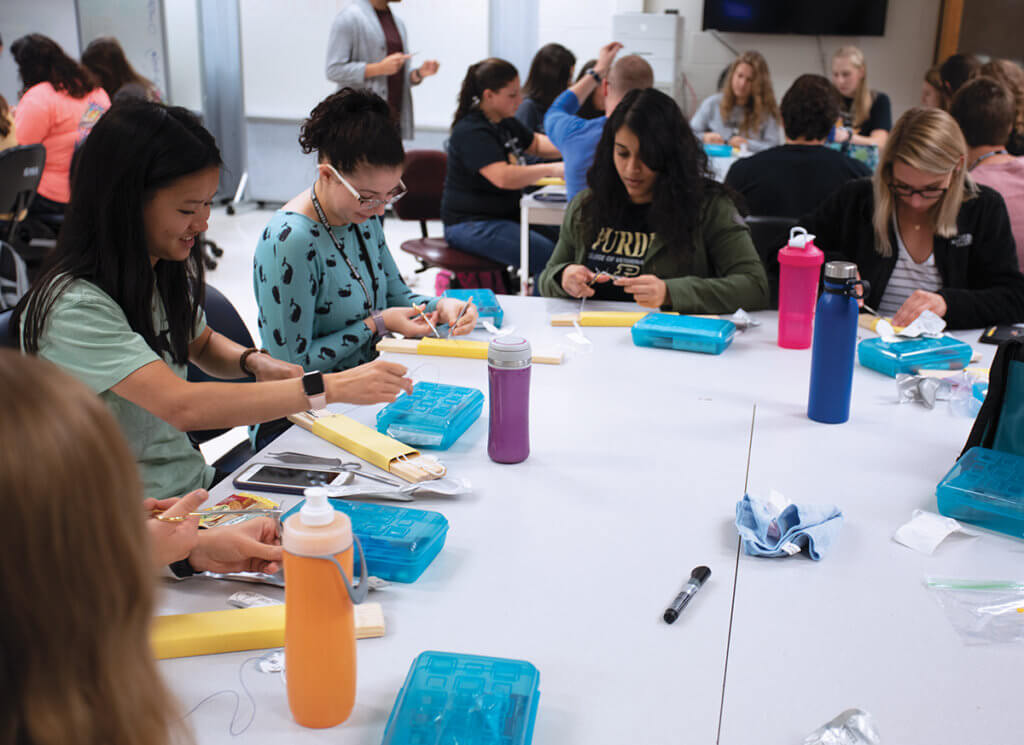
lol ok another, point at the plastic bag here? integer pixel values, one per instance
(982, 611)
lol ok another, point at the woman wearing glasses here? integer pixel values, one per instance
(326, 284)
(923, 233)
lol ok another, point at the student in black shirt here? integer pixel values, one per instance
(550, 74)
(793, 179)
(480, 206)
(866, 115)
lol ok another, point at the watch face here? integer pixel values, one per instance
(313, 383)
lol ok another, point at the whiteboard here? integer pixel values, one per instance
(138, 26)
(181, 19)
(284, 52)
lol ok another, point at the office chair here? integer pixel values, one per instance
(769, 234)
(424, 178)
(7, 340)
(223, 318)
(21, 169)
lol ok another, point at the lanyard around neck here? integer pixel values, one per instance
(1001, 151)
(337, 244)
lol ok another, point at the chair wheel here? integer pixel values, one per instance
(231, 209)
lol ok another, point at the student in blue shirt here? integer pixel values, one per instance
(576, 138)
(326, 284)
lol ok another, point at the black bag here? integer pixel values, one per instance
(1000, 422)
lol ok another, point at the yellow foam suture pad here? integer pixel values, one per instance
(240, 629)
(360, 440)
(453, 348)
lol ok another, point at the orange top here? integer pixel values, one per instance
(59, 122)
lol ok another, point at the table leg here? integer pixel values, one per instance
(524, 247)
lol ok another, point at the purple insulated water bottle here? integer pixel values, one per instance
(508, 372)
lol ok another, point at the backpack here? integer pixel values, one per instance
(1000, 422)
(13, 276)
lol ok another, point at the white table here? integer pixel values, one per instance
(569, 559)
(535, 211)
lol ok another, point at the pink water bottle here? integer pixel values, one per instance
(799, 266)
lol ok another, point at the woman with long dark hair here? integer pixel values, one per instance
(653, 226)
(105, 59)
(120, 302)
(486, 169)
(550, 74)
(60, 102)
(326, 284)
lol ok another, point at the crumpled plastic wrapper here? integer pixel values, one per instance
(926, 390)
(852, 727)
(743, 320)
(926, 326)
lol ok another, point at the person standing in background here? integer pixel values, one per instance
(368, 48)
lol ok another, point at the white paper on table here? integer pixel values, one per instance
(926, 530)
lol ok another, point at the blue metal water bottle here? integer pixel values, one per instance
(835, 341)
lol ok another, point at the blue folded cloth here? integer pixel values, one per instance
(797, 527)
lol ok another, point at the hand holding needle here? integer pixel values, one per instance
(458, 318)
(419, 309)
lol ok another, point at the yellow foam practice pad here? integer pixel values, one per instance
(600, 318)
(239, 629)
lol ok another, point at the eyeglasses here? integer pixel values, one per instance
(397, 193)
(903, 190)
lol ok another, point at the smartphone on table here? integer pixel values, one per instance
(288, 479)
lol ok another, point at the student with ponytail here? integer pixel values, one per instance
(486, 174)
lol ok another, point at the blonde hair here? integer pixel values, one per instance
(931, 141)
(77, 587)
(761, 103)
(861, 96)
(1010, 75)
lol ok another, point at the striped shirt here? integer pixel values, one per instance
(907, 276)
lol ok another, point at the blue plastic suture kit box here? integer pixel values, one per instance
(911, 355)
(986, 488)
(485, 301)
(399, 542)
(686, 333)
(434, 416)
(450, 699)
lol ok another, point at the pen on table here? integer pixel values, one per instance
(424, 316)
(451, 328)
(697, 578)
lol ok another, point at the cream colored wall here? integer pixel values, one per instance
(896, 61)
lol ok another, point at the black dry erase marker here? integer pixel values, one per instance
(697, 578)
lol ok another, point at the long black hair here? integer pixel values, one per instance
(350, 127)
(550, 74)
(491, 74)
(41, 60)
(669, 148)
(135, 149)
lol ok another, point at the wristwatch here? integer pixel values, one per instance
(313, 387)
(380, 328)
(595, 75)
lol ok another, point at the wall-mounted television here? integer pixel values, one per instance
(815, 17)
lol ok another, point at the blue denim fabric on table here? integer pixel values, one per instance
(813, 528)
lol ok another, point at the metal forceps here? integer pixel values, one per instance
(591, 283)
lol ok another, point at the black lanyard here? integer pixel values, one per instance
(337, 244)
(974, 165)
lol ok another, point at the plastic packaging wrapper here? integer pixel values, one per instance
(852, 727)
(981, 611)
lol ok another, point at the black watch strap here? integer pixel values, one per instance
(182, 569)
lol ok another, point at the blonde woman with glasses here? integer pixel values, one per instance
(326, 284)
(923, 234)
(744, 112)
(865, 115)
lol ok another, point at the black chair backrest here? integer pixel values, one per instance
(424, 178)
(224, 319)
(21, 168)
(769, 235)
(7, 340)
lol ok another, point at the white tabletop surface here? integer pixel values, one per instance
(569, 559)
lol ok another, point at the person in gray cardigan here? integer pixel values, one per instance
(367, 48)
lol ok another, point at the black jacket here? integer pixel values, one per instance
(981, 282)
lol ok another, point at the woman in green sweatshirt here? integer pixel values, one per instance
(654, 227)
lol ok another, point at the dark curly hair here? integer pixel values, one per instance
(550, 73)
(684, 182)
(809, 108)
(352, 127)
(41, 60)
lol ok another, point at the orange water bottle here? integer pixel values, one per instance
(320, 631)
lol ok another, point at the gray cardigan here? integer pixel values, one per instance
(709, 119)
(356, 38)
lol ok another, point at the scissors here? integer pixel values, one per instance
(353, 467)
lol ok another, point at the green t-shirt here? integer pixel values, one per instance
(88, 335)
